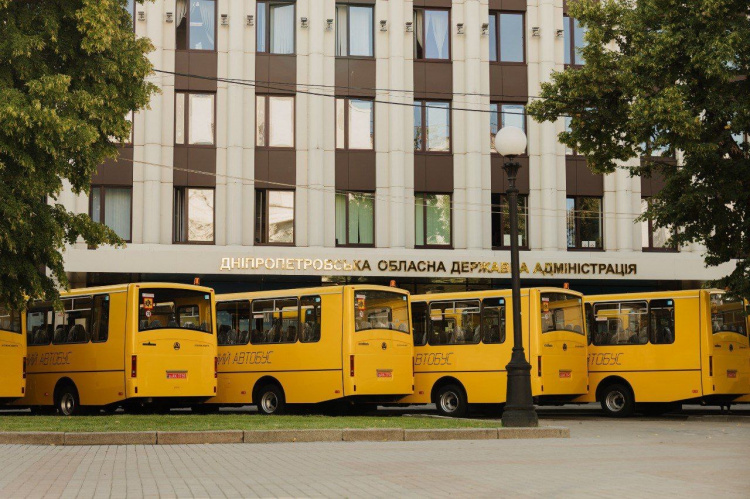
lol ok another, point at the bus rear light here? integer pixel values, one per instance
(24, 368)
(539, 366)
(214, 389)
(351, 366)
(710, 365)
(412, 366)
(134, 366)
(337, 392)
(216, 367)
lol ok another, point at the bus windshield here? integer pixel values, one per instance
(561, 312)
(727, 315)
(169, 308)
(381, 310)
(10, 320)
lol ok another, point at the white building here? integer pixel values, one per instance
(295, 142)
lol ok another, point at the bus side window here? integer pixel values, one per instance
(264, 330)
(590, 322)
(310, 315)
(287, 319)
(100, 323)
(661, 319)
(419, 323)
(493, 320)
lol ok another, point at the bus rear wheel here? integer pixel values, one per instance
(617, 401)
(68, 403)
(451, 401)
(270, 400)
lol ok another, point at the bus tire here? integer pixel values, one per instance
(67, 401)
(270, 399)
(451, 401)
(618, 401)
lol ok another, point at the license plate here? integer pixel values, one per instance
(731, 374)
(385, 374)
(177, 375)
(565, 374)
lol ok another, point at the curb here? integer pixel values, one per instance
(277, 436)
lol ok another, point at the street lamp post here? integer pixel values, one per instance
(519, 407)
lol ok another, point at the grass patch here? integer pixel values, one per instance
(226, 421)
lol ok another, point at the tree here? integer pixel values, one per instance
(70, 72)
(668, 75)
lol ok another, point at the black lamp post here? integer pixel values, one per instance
(519, 407)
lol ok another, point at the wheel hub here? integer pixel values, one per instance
(615, 401)
(449, 402)
(269, 402)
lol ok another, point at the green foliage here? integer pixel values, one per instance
(669, 74)
(70, 71)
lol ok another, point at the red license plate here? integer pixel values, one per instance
(385, 374)
(731, 374)
(565, 374)
(177, 375)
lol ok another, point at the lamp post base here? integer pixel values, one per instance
(519, 408)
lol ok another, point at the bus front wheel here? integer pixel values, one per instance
(617, 401)
(451, 401)
(270, 400)
(68, 403)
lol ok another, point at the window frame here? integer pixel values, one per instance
(348, 30)
(346, 101)
(498, 115)
(423, 104)
(275, 299)
(107, 299)
(186, 213)
(569, 24)
(576, 209)
(102, 202)
(424, 221)
(265, 223)
(187, 32)
(673, 248)
(374, 231)
(496, 14)
(267, 38)
(499, 214)
(267, 122)
(319, 304)
(186, 120)
(620, 303)
(425, 9)
(452, 303)
(67, 310)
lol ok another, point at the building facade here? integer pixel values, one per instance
(308, 141)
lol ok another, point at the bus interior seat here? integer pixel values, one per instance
(59, 334)
(243, 338)
(155, 323)
(223, 334)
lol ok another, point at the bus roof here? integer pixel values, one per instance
(686, 293)
(319, 290)
(489, 293)
(124, 287)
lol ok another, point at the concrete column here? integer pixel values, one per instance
(248, 133)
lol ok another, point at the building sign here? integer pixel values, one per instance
(463, 268)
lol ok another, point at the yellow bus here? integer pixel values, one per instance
(305, 346)
(132, 345)
(661, 349)
(12, 356)
(463, 342)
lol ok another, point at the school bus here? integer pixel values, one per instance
(146, 345)
(12, 356)
(653, 351)
(348, 344)
(463, 342)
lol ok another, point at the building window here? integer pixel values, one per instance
(194, 119)
(274, 121)
(431, 34)
(432, 126)
(502, 115)
(355, 217)
(506, 37)
(432, 220)
(501, 221)
(196, 24)
(653, 238)
(130, 9)
(112, 206)
(568, 150)
(354, 31)
(193, 215)
(274, 217)
(584, 222)
(354, 124)
(574, 43)
(274, 28)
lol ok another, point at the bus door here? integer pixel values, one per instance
(729, 357)
(562, 358)
(382, 351)
(12, 353)
(174, 350)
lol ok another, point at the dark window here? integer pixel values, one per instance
(354, 31)
(310, 319)
(432, 220)
(493, 320)
(274, 217)
(275, 321)
(431, 34)
(562, 312)
(355, 217)
(274, 27)
(233, 322)
(573, 34)
(355, 128)
(419, 322)
(39, 324)
(432, 126)
(73, 325)
(381, 310)
(112, 206)
(196, 24)
(193, 215)
(501, 221)
(619, 323)
(171, 308)
(10, 320)
(194, 119)
(455, 323)
(727, 315)
(502, 115)
(100, 319)
(655, 238)
(661, 314)
(507, 37)
(584, 223)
